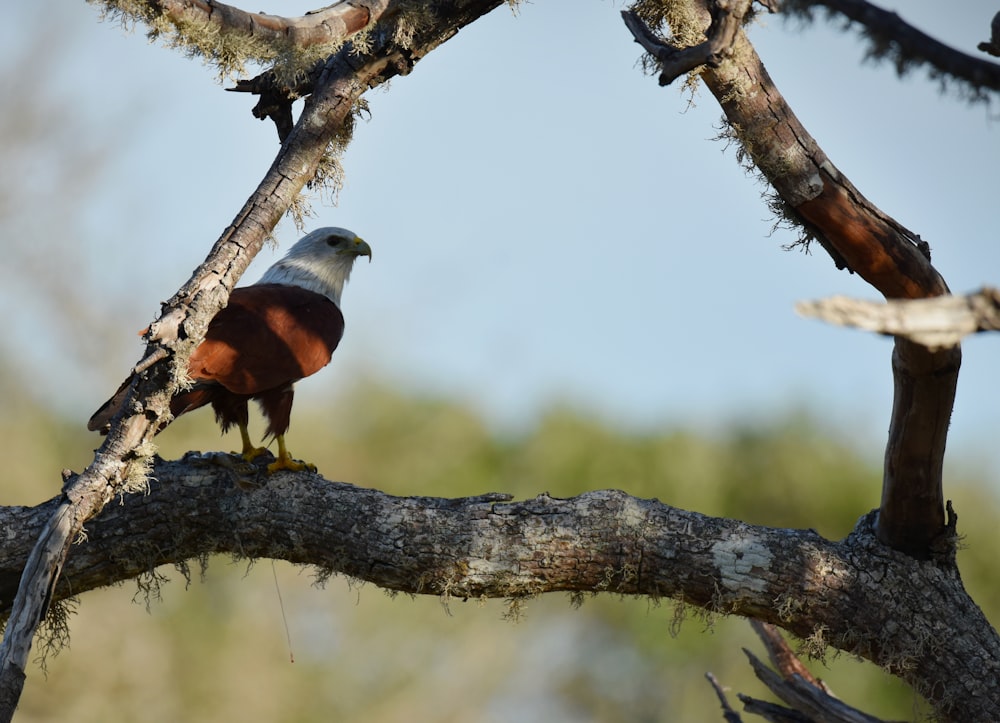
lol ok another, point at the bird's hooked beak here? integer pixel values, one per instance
(360, 248)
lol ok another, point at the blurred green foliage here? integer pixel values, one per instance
(217, 650)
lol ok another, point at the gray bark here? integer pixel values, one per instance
(912, 617)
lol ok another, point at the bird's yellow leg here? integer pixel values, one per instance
(285, 461)
(249, 453)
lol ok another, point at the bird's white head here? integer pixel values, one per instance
(320, 261)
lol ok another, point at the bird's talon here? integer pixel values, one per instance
(249, 454)
(292, 465)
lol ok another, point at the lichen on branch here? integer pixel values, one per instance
(230, 39)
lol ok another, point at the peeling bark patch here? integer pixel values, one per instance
(736, 559)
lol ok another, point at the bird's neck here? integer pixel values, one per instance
(327, 279)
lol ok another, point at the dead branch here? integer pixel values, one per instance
(812, 703)
(810, 699)
(275, 96)
(893, 36)
(727, 19)
(329, 26)
(782, 657)
(937, 323)
(992, 46)
(730, 715)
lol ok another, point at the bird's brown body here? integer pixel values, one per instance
(257, 347)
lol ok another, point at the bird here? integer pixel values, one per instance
(270, 335)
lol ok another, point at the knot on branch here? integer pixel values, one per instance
(992, 46)
(275, 97)
(728, 16)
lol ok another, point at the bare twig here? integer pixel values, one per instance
(727, 19)
(772, 711)
(937, 323)
(275, 97)
(728, 713)
(782, 657)
(992, 46)
(807, 699)
(328, 26)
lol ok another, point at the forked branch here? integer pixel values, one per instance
(727, 19)
(893, 259)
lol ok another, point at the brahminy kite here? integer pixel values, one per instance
(271, 334)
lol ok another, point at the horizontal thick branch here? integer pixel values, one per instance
(937, 323)
(853, 593)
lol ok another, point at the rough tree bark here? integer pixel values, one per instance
(890, 592)
(853, 594)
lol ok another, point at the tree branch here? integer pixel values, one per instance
(782, 657)
(810, 698)
(887, 255)
(891, 35)
(937, 323)
(805, 698)
(328, 26)
(730, 715)
(992, 46)
(727, 19)
(850, 594)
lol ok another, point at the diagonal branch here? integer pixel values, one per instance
(794, 683)
(730, 715)
(867, 241)
(808, 701)
(782, 657)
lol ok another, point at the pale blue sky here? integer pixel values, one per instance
(548, 224)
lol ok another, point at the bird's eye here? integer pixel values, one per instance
(332, 240)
